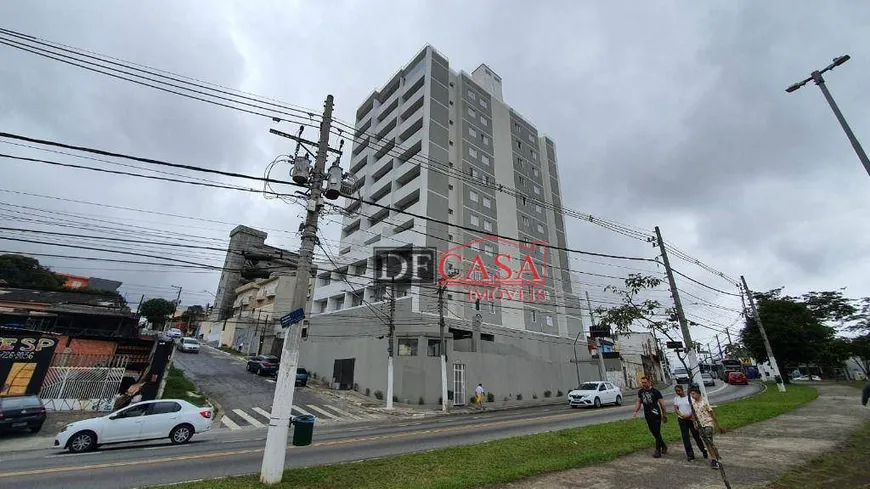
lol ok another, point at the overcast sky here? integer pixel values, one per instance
(671, 114)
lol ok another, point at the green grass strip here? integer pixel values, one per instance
(178, 386)
(512, 459)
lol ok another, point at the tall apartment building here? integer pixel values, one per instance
(443, 144)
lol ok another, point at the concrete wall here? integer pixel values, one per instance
(514, 362)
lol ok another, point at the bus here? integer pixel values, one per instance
(730, 366)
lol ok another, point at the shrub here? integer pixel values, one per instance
(420, 401)
(440, 401)
(472, 400)
(519, 397)
(379, 395)
(490, 397)
(395, 398)
(548, 393)
(535, 395)
(559, 393)
(505, 398)
(368, 392)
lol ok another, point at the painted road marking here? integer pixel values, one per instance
(226, 421)
(247, 417)
(302, 411)
(322, 411)
(263, 412)
(343, 413)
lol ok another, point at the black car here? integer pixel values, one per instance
(263, 364)
(21, 413)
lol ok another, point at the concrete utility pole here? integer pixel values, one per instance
(576, 357)
(816, 76)
(779, 382)
(442, 345)
(681, 317)
(602, 370)
(391, 345)
(275, 453)
(177, 302)
(720, 348)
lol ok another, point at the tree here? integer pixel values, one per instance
(26, 272)
(795, 331)
(860, 348)
(830, 306)
(193, 314)
(156, 311)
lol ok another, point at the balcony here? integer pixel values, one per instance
(414, 88)
(384, 127)
(361, 145)
(381, 168)
(358, 162)
(412, 147)
(413, 104)
(407, 173)
(405, 197)
(363, 129)
(388, 107)
(385, 148)
(409, 128)
(381, 189)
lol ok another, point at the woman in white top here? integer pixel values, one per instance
(687, 423)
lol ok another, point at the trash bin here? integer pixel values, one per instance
(303, 430)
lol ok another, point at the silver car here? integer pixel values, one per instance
(188, 345)
(708, 379)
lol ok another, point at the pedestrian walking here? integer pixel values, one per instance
(479, 391)
(687, 423)
(707, 422)
(655, 413)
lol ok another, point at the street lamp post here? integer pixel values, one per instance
(816, 77)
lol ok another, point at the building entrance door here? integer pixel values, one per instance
(458, 384)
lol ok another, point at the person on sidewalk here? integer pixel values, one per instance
(655, 413)
(707, 422)
(687, 423)
(479, 392)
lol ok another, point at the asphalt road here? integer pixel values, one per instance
(246, 398)
(232, 453)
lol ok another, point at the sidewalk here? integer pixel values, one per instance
(753, 455)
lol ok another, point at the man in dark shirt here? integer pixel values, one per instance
(655, 413)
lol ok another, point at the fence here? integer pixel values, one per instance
(83, 382)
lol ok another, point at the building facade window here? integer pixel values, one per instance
(541, 228)
(538, 208)
(487, 226)
(472, 132)
(472, 152)
(483, 121)
(473, 196)
(485, 140)
(534, 316)
(525, 221)
(487, 202)
(433, 348)
(474, 220)
(407, 347)
(472, 113)
(484, 159)
(537, 190)
(483, 103)
(488, 249)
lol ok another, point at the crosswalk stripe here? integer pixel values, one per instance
(230, 423)
(247, 417)
(339, 411)
(302, 411)
(263, 412)
(322, 411)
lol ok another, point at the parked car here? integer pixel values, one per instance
(681, 376)
(736, 378)
(174, 333)
(595, 394)
(708, 379)
(21, 413)
(301, 376)
(188, 345)
(263, 364)
(175, 419)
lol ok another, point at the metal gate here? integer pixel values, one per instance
(458, 384)
(83, 382)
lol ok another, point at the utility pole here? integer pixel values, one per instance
(728, 334)
(681, 317)
(577, 358)
(816, 76)
(275, 452)
(720, 348)
(776, 375)
(177, 302)
(602, 370)
(391, 345)
(442, 344)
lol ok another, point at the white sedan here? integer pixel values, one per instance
(595, 394)
(149, 420)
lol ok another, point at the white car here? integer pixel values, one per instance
(149, 420)
(186, 345)
(595, 394)
(174, 333)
